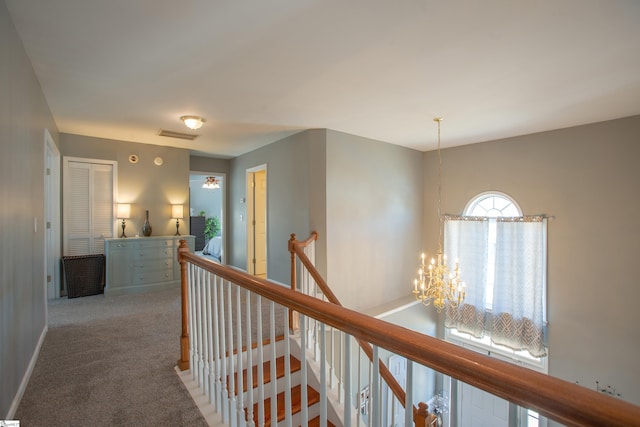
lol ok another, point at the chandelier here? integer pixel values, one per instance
(436, 283)
(211, 182)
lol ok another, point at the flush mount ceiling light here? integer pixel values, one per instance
(192, 122)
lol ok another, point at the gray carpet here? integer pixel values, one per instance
(109, 360)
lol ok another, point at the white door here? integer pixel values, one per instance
(395, 410)
(89, 195)
(481, 409)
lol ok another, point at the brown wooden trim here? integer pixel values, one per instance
(559, 400)
(303, 244)
(293, 316)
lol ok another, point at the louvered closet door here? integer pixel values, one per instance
(88, 206)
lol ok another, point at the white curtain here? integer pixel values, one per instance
(520, 283)
(515, 316)
(465, 239)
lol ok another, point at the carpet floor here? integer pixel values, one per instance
(109, 361)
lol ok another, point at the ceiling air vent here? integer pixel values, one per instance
(179, 135)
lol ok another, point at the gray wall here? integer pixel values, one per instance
(374, 219)
(209, 164)
(24, 115)
(145, 185)
(588, 178)
(368, 212)
(290, 173)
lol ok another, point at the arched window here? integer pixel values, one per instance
(491, 205)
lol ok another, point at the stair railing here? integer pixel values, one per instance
(313, 284)
(559, 400)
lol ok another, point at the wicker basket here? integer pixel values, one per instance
(83, 275)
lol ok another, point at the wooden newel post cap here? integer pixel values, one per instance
(421, 414)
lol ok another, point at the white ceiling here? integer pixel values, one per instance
(261, 70)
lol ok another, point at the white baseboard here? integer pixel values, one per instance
(27, 376)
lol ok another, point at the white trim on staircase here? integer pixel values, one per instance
(201, 400)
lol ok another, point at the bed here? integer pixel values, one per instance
(213, 249)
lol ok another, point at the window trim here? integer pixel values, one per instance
(486, 194)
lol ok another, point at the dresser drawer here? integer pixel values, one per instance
(156, 243)
(122, 245)
(155, 253)
(153, 276)
(145, 266)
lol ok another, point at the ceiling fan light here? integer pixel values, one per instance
(192, 122)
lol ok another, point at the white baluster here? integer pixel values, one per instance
(206, 326)
(287, 369)
(323, 376)
(250, 421)
(304, 398)
(347, 380)
(375, 389)
(340, 367)
(332, 369)
(211, 333)
(216, 344)
(230, 359)
(274, 379)
(191, 322)
(239, 354)
(260, 349)
(198, 306)
(408, 401)
(223, 352)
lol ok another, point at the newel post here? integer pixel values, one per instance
(183, 362)
(422, 417)
(294, 319)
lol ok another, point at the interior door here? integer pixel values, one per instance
(89, 201)
(398, 368)
(481, 409)
(257, 221)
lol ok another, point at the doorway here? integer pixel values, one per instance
(257, 221)
(207, 195)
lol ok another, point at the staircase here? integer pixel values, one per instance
(313, 395)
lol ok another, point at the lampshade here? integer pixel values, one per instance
(192, 122)
(177, 211)
(123, 211)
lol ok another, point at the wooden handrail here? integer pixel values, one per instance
(559, 400)
(303, 244)
(297, 248)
